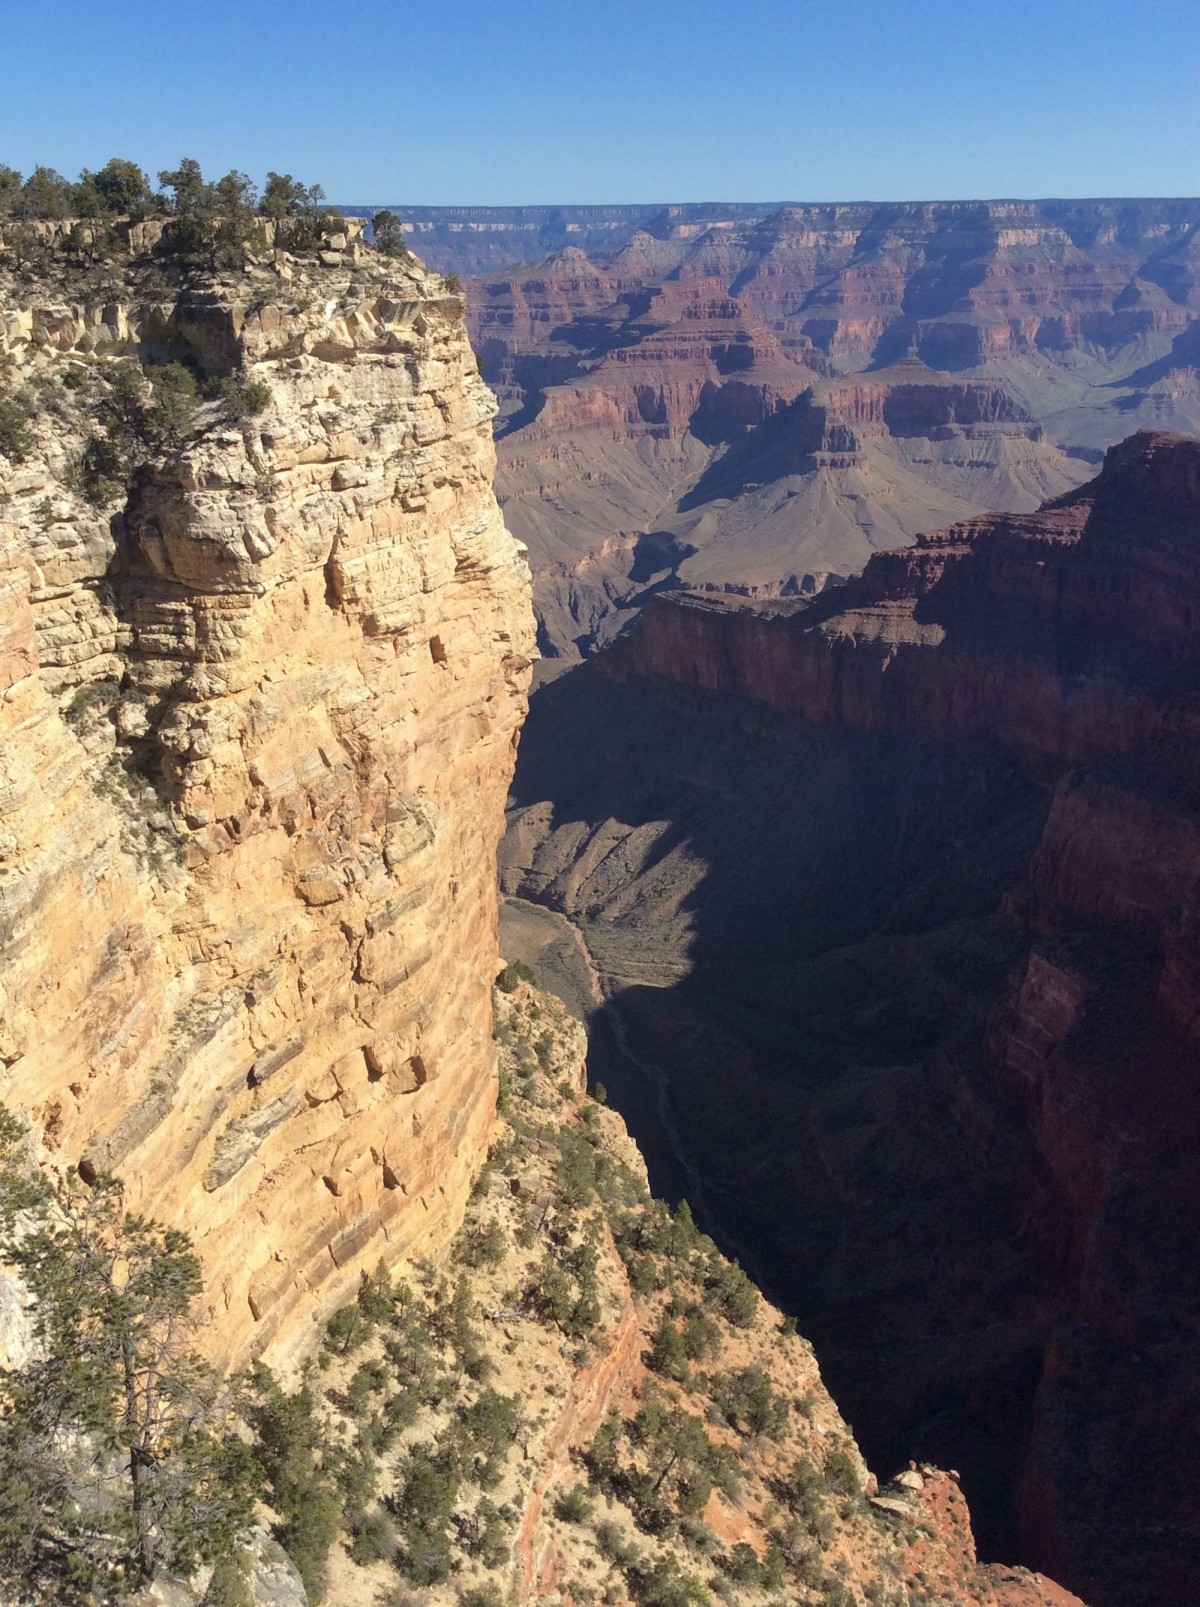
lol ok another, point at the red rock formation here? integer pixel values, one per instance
(937, 1067)
(1078, 317)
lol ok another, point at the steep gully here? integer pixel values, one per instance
(896, 891)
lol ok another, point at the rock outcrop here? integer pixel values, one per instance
(259, 716)
(912, 870)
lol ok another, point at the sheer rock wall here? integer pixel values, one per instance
(258, 725)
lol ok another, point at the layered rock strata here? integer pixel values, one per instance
(911, 870)
(624, 423)
(581, 1514)
(259, 718)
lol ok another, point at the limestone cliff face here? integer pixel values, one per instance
(258, 724)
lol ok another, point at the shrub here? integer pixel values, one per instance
(484, 1534)
(289, 1438)
(668, 1355)
(513, 975)
(374, 1540)
(701, 1336)
(735, 1295)
(488, 1595)
(490, 1425)
(662, 1584)
(749, 1401)
(16, 438)
(238, 398)
(229, 1586)
(389, 236)
(427, 1558)
(308, 1534)
(485, 1246)
(841, 1474)
(573, 1505)
(112, 1309)
(741, 1564)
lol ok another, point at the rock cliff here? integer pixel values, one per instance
(260, 705)
(910, 869)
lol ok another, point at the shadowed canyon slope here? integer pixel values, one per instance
(664, 414)
(259, 720)
(895, 892)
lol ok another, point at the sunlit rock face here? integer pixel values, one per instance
(259, 719)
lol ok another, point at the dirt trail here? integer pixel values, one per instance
(592, 1394)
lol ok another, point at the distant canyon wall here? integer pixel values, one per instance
(677, 390)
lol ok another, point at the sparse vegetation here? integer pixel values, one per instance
(16, 438)
(511, 977)
(417, 1437)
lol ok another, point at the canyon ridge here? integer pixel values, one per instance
(892, 894)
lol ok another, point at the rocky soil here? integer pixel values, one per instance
(892, 894)
(710, 1465)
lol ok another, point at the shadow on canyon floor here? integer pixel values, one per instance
(808, 939)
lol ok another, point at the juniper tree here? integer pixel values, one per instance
(118, 1450)
(389, 240)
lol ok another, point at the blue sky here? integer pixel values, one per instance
(539, 101)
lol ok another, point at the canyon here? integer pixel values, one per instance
(756, 399)
(885, 885)
(891, 891)
(265, 647)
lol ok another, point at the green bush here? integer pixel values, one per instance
(668, 1355)
(229, 1585)
(749, 1401)
(573, 1505)
(290, 1440)
(374, 1540)
(841, 1474)
(513, 975)
(238, 398)
(734, 1295)
(427, 1557)
(16, 438)
(489, 1595)
(166, 1480)
(485, 1246)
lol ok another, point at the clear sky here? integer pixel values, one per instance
(538, 101)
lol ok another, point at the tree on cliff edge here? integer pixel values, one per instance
(118, 1453)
